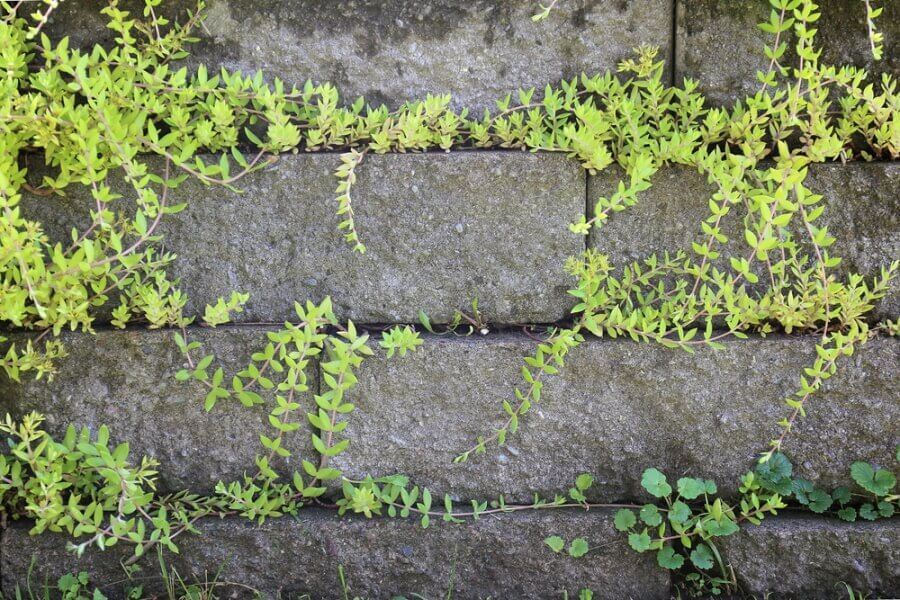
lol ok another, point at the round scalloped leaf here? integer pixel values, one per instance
(668, 559)
(655, 483)
(878, 482)
(680, 512)
(819, 501)
(691, 488)
(625, 519)
(702, 557)
(640, 542)
(584, 481)
(650, 515)
(578, 548)
(841, 495)
(555, 542)
(847, 514)
(721, 528)
(867, 511)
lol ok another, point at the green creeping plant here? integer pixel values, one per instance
(91, 490)
(91, 113)
(683, 524)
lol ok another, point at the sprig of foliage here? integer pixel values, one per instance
(476, 321)
(682, 525)
(393, 496)
(544, 12)
(83, 487)
(876, 38)
(280, 371)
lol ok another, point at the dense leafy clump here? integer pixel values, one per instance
(85, 487)
(90, 115)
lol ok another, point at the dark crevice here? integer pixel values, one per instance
(588, 210)
(673, 46)
(301, 151)
(526, 331)
(326, 509)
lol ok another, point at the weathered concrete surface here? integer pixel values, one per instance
(126, 380)
(498, 557)
(801, 556)
(862, 213)
(616, 408)
(399, 50)
(441, 229)
(719, 45)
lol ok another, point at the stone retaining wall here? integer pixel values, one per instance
(443, 229)
(802, 557)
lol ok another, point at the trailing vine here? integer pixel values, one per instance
(91, 113)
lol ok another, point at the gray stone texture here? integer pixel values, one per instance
(862, 213)
(444, 229)
(800, 556)
(617, 408)
(441, 229)
(501, 558)
(126, 380)
(719, 45)
(399, 50)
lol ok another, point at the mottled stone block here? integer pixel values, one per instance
(719, 45)
(441, 229)
(802, 556)
(126, 380)
(497, 557)
(399, 50)
(616, 408)
(862, 212)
